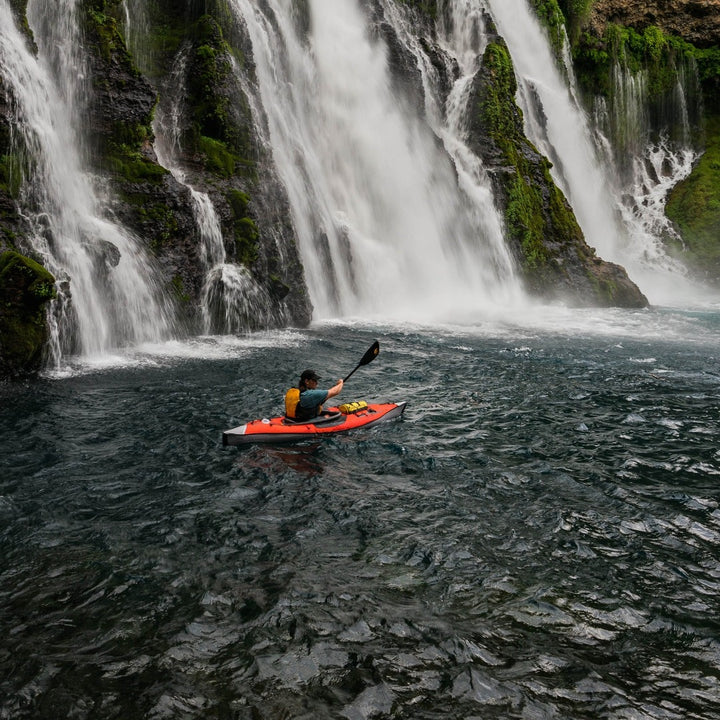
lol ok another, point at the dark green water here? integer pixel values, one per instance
(539, 537)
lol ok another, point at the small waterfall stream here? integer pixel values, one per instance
(107, 295)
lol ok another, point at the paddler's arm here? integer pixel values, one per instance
(335, 389)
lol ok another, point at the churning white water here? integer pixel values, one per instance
(107, 295)
(383, 227)
(628, 233)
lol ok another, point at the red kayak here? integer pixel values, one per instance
(332, 420)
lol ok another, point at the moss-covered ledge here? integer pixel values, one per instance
(25, 289)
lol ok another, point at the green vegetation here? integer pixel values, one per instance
(694, 206)
(651, 50)
(245, 230)
(158, 218)
(576, 13)
(124, 157)
(501, 118)
(25, 288)
(179, 291)
(220, 116)
(101, 27)
(552, 17)
(38, 284)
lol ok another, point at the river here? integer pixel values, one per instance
(537, 537)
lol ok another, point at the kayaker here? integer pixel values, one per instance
(305, 401)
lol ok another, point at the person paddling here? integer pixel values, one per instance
(305, 401)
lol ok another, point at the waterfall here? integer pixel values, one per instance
(107, 296)
(649, 163)
(231, 300)
(382, 223)
(462, 36)
(623, 218)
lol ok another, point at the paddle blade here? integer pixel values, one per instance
(371, 354)
(368, 357)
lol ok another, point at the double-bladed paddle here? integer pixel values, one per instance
(368, 357)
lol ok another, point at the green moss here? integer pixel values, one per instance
(220, 115)
(499, 114)
(101, 26)
(576, 13)
(218, 158)
(25, 288)
(40, 284)
(497, 108)
(245, 231)
(131, 166)
(124, 157)
(159, 219)
(11, 174)
(651, 50)
(178, 289)
(539, 219)
(19, 8)
(525, 221)
(553, 19)
(694, 206)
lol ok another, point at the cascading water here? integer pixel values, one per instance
(107, 296)
(624, 222)
(649, 164)
(382, 224)
(462, 36)
(232, 301)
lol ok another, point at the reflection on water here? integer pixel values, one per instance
(538, 537)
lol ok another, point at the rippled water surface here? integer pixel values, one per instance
(538, 537)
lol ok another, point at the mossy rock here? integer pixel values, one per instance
(220, 114)
(245, 230)
(543, 234)
(25, 289)
(694, 207)
(553, 19)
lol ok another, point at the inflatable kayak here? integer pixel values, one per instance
(333, 420)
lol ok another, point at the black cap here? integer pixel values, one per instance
(309, 375)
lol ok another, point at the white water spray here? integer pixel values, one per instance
(107, 295)
(382, 226)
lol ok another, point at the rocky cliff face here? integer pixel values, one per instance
(697, 21)
(217, 153)
(25, 289)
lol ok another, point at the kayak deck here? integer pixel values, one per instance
(282, 429)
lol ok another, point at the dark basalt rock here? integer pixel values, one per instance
(25, 288)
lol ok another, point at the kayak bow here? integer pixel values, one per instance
(282, 429)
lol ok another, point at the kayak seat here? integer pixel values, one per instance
(325, 417)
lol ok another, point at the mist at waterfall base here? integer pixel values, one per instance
(538, 537)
